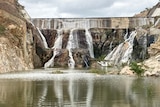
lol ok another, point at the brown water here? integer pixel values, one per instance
(75, 89)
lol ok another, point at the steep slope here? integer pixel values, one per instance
(16, 50)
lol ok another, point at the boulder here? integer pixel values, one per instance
(126, 71)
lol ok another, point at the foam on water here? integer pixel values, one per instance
(40, 75)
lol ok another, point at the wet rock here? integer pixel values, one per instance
(61, 60)
(81, 57)
(50, 36)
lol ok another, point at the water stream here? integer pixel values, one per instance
(72, 44)
(57, 46)
(43, 38)
(122, 53)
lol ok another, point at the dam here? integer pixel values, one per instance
(109, 23)
(76, 40)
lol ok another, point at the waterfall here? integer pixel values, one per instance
(157, 22)
(43, 23)
(110, 46)
(126, 35)
(74, 39)
(128, 53)
(89, 38)
(80, 24)
(71, 45)
(57, 46)
(49, 23)
(90, 43)
(122, 53)
(43, 38)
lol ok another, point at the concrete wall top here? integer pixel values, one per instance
(108, 22)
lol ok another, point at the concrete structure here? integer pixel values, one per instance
(110, 23)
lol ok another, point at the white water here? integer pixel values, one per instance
(49, 23)
(110, 46)
(90, 43)
(43, 38)
(157, 22)
(43, 24)
(57, 46)
(72, 44)
(127, 55)
(126, 35)
(122, 53)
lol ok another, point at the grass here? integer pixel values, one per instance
(2, 29)
(137, 68)
(57, 72)
(101, 58)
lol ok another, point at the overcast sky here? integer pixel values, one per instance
(85, 8)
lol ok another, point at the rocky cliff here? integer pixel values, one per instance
(16, 43)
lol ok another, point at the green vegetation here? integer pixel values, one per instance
(57, 72)
(2, 29)
(137, 68)
(101, 58)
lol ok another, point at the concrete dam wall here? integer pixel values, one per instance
(110, 23)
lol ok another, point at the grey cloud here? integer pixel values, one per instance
(85, 8)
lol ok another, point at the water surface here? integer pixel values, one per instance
(74, 88)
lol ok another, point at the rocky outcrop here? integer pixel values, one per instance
(16, 42)
(104, 40)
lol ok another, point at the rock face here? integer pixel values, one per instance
(16, 50)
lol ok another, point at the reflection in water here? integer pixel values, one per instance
(71, 91)
(80, 90)
(44, 94)
(58, 89)
(89, 92)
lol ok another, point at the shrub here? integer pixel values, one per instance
(2, 29)
(57, 72)
(136, 68)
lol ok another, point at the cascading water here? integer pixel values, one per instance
(57, 46)
(74, 41)
(90, 43)
(127, 55)
(110, 46)
(122, 53)
(72, 44)
(43, 38)
(89, 38)
(126, 35)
